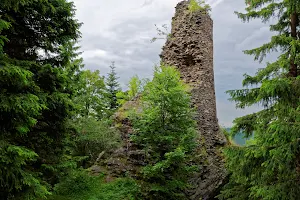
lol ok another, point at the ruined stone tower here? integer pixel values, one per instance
(190, 49)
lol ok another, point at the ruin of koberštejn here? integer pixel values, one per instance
(190, 49)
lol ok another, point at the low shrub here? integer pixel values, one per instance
(95, 137)
(79, 185)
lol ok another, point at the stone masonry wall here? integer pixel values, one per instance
(190, 49)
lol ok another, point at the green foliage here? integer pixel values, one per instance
(112, 88)
(3, 25)
(48, 34)
(35, 93)
(91, 95)
(94, 137)
(166, 131)
(135, 87)
(198, 5)
(80, 185)
(268, 167)
(18, 114)
(122, 97)
(77, 185)
(121, 188)
(238, 139)
(14, 177)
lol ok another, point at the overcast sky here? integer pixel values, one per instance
(121, 30)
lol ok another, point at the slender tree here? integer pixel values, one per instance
(91, 95)
(166, 131)
(135, 86)
(113, 87)
(268, 167)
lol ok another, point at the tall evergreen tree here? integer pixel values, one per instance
(35, 91)
(268, 167)
(113, 87)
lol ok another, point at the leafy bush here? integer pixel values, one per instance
(91, 97)
(135, 86)
(121, 188)
(79, 185)
(166, 131)
(95, 137)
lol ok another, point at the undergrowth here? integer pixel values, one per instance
(79, 185)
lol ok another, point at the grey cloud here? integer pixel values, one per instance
(231, 37)
(227, 112)
(125, 39)
(147, 3)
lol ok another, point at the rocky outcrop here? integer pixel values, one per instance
(129, 158)
(190, 49)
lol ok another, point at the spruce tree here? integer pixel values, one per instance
(35, 92)
(113, 87)
(268, 167)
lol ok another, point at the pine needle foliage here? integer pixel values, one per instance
(112, 88)
(268, 167)
(166, 131)
(35, 93)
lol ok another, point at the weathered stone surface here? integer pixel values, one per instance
(190, 49)
(127, 159)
